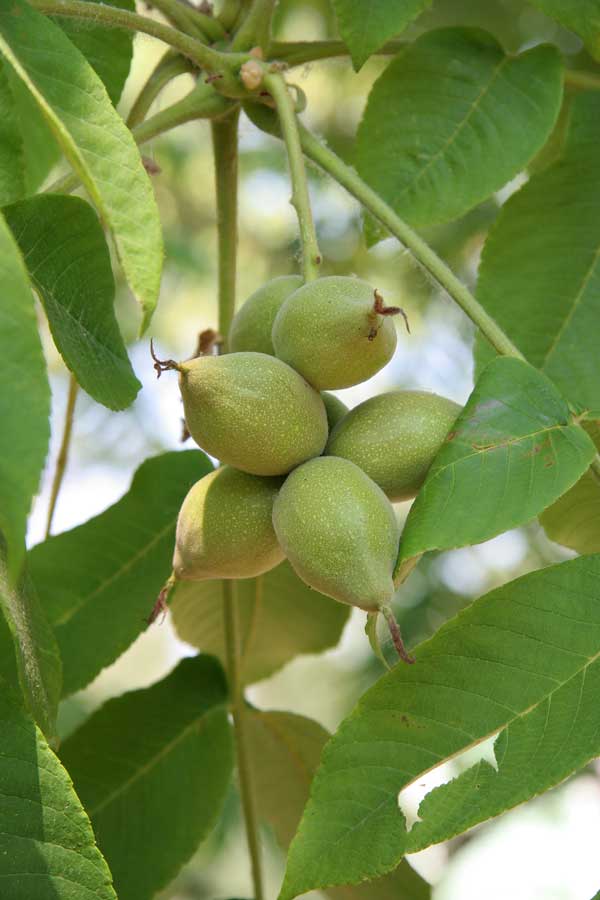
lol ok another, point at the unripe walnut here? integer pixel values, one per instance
(394, 438)
(335, 331)
(225, 529)
(253, 322)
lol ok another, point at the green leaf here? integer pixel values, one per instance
(12, 163)
(574, 520)
(98, 582)
(152, 768)
(580, 16)
(280, 618)
(47, 845)
(513, 451)
(284, 751)
(108, 50)
(540, 271)
(454, 118)
(41, 151)
(24, 400)
(94, 139)
(65, 252)
(524, 658)
(34, 656)
(366, 26)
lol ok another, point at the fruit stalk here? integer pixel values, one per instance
(225, 138)
(311, 256)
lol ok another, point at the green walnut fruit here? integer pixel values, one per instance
(394, 438)
(339, 532)
(335, 331)
(252, 411)
(335, 409)
(252, 324)
(225, 527)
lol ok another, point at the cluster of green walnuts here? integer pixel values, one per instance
(301, 476)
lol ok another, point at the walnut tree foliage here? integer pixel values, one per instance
(468, 130)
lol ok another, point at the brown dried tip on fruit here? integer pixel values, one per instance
(380, 309)
(162, 365)
(151, 167)
(161, 607)
(257, 53)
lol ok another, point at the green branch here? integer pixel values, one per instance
(297, 53)
(224, 139)
(169, 67)
(311, 256)
(225, 146)
(190, 20)
(255, 30)
(219, 64)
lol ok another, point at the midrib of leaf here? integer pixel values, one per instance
(68, 614)
(491, 447)
(198, 725)
(575, 305)
(461, 125)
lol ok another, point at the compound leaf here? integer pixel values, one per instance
(366, 26)
(109, 51)
(284, 751)
(524, 658)
(24, 400)
(12, 162)
(65, 251)
(32, 663)
(94, 139)
(47, 844)
(454, 118)
(540, 270)
(280, 618)
(98, 582)
(513, 451)
(574, 520)
(152, 768)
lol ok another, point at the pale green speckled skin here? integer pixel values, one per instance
(322, 331)
(339, 532)
(335, 409)
(225, 527)
(252, 411)
(253, 322)
(394, 438)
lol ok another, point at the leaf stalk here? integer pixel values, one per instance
(290, 129)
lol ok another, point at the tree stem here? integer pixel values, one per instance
(297, 53)
(169, 67)
(311, 256)
(225, 145)
(63, 453)
(255, 30)
(190, 20)
(218, 64)
(421, 251)
(232, 648)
